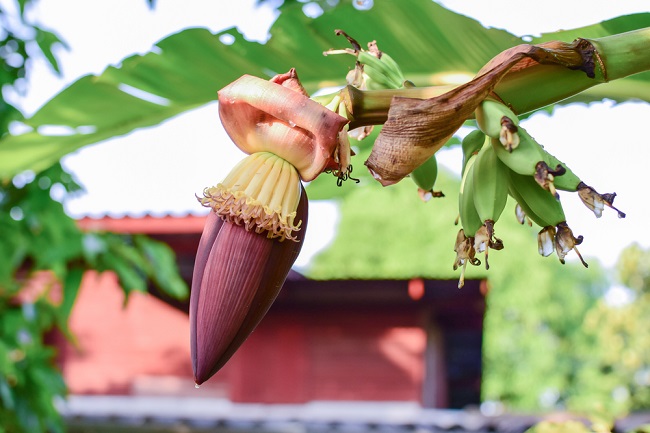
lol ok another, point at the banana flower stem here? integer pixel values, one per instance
(524, 89)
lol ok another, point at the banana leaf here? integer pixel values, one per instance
(185, 70)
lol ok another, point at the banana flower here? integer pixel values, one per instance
(259, 211)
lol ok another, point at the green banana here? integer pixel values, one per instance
(471, 144)
(568, 181)
(392, 66)
(522, 160)
(489, 117)
(490, 184)
(425, 175)
(376, 79)
(490, 196)
(469, 217)
(540, 206)
(382, 71)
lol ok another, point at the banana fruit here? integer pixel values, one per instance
(524, 158)
(490, 118)
(471, 144)
(425, 175)
(425, 178)
(538, 205)
(380, 70)
(490, 184)
(490, 190)
(547, 212)
(469, 217)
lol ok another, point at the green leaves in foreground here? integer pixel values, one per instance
(185, 70)
(43, 256)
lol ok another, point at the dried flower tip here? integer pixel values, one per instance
(595, 201)
(565, 242)
(465, 253)
(545, 175)
(426, 195)
(261, 193)
(521, 216)
(546, 241)
(509, 136)
(484, 239)
(361, 132)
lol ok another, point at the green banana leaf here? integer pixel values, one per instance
(185, 70)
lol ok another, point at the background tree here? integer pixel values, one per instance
(43, 255)
(614, 346)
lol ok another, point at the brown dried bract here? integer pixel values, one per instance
(416, 128)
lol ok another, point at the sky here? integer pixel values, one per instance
(158, 170)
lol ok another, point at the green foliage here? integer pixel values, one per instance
(43, 255)
(42, 259)
(535, 311)
(614, 352)
(427, 40)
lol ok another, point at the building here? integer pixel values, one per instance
(414, 341)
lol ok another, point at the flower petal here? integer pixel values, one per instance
(261, 115)
(241, 278)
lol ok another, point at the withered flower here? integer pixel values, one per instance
(545, 175)
(565, 242)
(508, 136)
(546, 241)
(465, 253)
(484, 239)
(521, 216)
(596, 202)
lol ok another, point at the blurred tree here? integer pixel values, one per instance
(614, 373)
(43, 255)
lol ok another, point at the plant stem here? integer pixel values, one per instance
(624, 54)
(526, 89)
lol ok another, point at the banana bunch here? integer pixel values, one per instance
(469, 219)
(380, 71)
(525, 156)
(374, 69)
(511, 162)
(482, 198)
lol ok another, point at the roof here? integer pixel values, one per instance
(208, 413)
(160, 414)
(145, 224)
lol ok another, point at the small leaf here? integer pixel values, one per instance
(163, 269)
(71, 284)
(46, 40)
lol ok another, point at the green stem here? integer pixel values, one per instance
(624, 54)
(528, 89)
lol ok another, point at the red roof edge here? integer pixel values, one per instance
(146, 224)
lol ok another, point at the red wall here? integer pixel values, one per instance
(342, 355)
(293, 356)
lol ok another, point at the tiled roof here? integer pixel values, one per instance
(163, 414)
(145, 224)
(208, 414)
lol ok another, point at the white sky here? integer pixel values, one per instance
(160, 169)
